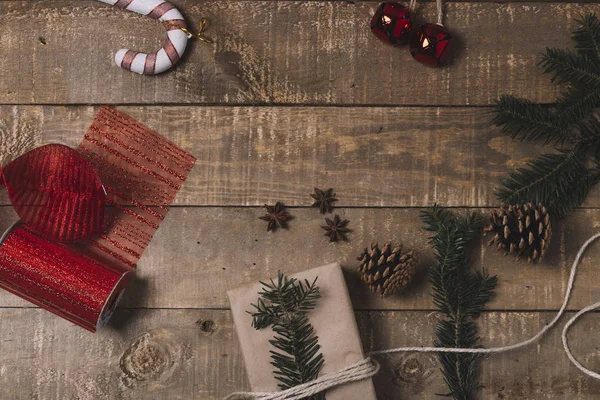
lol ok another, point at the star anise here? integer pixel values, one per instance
(276, 216)
(336, 228)
(324, 199)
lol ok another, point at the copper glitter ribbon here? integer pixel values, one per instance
(70, 254)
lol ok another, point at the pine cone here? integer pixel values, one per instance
(524, 230)
(386, 270)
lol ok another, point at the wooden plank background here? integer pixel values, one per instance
(292, 94)
(293, 52)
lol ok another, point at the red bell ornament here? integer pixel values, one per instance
(431, 45)
(391, 23)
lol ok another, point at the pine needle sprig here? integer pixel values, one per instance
(574, 68)
(543, 179)
(528, 121)
(460, 294)
(589, 130)
(284, 305)
(574, 194)
(587, 37)
(559, 181)
(576, 105)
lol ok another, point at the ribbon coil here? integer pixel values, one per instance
(69, 253)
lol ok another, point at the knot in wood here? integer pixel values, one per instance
(410, 369)
(207, 326)
(145, 359)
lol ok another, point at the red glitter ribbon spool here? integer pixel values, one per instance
(59, 193)
(59, 279)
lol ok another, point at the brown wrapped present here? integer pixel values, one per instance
(334, 323)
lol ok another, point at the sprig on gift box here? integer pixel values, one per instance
(284, 305)
(559, 181)
(460, 293)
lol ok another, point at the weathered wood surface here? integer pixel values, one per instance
(373, 156)
(200, 253)
(301, 52)
(194, 355)
(173, 337)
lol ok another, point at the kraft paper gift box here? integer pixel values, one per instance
(334, 323)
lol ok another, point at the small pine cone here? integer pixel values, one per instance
(524, 230)
(387, 269)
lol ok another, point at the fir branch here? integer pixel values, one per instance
(460, 293)
(559, 181)
(528, 121)
(571, 67)
(575, 105)
(589, 131)
(574, 195)
(482, 287)
(587, 37)
(283, 305)
(545, 179)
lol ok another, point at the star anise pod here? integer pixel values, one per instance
(324, 199)
(336, 228)
(276, 216)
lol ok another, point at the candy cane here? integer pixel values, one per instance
(174, 46)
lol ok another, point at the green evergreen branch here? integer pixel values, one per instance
(589, 131)
(573, 195)
(587, 37)
(571, 67)
(543, 178)
(459, 293)
(283, 305)
(525, 120)
(559, 181)
(575, 105)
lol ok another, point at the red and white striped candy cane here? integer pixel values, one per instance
(174, 46)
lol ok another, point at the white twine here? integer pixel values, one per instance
(440, 10)
(369, 367)
(356, 372)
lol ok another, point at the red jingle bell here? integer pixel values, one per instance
(431, 45)
(391, 23)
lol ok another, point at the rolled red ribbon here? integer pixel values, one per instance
(71, 255)
(58, 278)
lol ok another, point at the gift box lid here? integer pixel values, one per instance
(334, 323)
